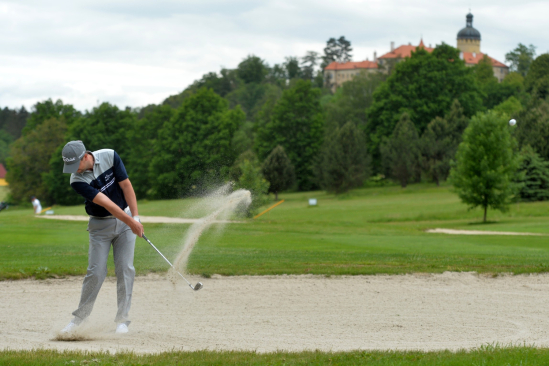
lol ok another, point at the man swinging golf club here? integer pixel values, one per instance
(101, 178)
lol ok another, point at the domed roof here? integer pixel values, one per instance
(469, 32)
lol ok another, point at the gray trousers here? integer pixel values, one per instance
(103, 233)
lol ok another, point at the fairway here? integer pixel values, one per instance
(368, 231)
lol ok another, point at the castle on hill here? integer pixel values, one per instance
(468, 43)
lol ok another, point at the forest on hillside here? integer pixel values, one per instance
(271, 128)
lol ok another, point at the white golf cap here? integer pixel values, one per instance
(72, 154)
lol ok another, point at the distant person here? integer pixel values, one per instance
(36, 204)
(100, 177)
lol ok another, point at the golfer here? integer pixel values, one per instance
(37, 207)
(100, 177)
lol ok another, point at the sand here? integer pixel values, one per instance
(479, 232)
(427, 312)
(226, 206)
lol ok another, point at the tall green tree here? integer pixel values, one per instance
(144, 144)
(440, 141)
(343, 163)
(297, 124)
(266, 107)
(278, 170)
(486, 164)
(248, 97)
(424, 85)
(484, 71)
(293, 69)
(222, 83)
(308, 64)
(533, 127)
(252, 180)
(437, 149)
(43, 111)
(457, 121)
(514, 82)
(194, 145)
(400, 152)
(29, 160)
(537, 80)
(235, 172)
(252, 70)
(337, 50)
(243, 138)
(493, 92)
(350, 102)
(262, 116)
(521, 58)
(12, 121)
(5, 140)
(277, 75)
(534, 176)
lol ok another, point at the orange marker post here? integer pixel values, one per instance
(269, 209)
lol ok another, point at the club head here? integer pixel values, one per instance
(198, 286)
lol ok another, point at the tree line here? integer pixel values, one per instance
(274, 128)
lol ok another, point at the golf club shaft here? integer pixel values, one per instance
(166, 259)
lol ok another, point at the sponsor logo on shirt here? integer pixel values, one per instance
(107, 185)
(108, 176)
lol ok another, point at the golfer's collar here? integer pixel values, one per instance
(95, 159)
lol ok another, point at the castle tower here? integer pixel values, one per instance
(468, 39)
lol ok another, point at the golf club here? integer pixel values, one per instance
(196, 287)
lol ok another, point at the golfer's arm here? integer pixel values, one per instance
(129, 195)
(104, 201)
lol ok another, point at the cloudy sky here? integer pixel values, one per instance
(134, 53)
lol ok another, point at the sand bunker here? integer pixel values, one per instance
(428, 312)
(479, 232)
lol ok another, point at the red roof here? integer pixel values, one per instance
(475, 57)
(351, 65)
(469, 57)
(405, 51)
(2, 171)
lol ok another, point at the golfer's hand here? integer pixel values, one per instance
(137, 228)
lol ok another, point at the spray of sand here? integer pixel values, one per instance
(223, 206)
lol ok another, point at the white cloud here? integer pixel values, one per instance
(139, 52)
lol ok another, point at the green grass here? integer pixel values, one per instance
(377, 231)
(41, 248)
(487, 355)
(368, 231)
